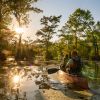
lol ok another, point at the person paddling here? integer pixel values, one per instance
(74, 64)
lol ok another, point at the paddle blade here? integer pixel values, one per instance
(52, 70)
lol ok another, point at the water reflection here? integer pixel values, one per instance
(92, 72)
(16, 82)
(21, 82)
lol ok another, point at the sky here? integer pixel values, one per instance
(59, 7)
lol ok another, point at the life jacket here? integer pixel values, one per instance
(77, 66)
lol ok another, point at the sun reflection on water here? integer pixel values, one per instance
(16, 79)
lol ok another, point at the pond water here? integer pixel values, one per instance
(21, 82)
(24, 81)
(92, 72)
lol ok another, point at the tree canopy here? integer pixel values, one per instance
(46, 32)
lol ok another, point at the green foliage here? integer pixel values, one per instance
(49, 25)
(46, 33)
(78, 22)
(21, 8)
(80, 31)
(5, 34)
(25, 51)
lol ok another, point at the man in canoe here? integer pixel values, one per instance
(74, 64)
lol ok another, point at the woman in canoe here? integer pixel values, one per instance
(74, 64)
(71, 71)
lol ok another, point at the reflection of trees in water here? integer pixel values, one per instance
(96, 70)
(40, 79)
(92, 71)
(12, 90)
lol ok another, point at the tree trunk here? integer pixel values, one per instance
(75, 41)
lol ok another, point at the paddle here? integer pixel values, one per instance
(54, 70)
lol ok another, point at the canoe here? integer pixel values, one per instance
(77, 81)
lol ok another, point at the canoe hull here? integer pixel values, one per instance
(77, 81)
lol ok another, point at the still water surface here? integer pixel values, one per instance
(92, 72)
(23, 82)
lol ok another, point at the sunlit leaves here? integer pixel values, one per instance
(21, 8)
(79, 22)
